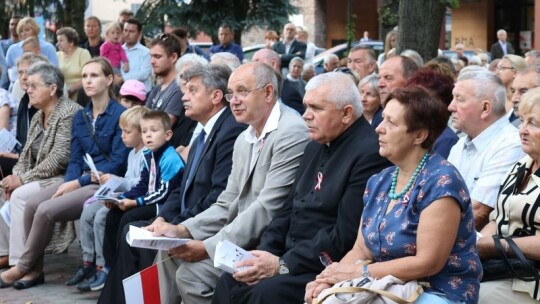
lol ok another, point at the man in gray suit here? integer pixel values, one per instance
(265, 159)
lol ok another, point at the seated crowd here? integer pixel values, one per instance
(399, 168)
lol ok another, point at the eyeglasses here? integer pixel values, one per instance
(325, 259)
(241, 95)
(501, 68)
(34, 86)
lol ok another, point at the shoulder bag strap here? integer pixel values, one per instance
(419, 290)
(91, 129)
(532, 273)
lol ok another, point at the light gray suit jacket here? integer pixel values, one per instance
(254, 194)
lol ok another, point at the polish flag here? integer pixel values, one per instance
(143, 287)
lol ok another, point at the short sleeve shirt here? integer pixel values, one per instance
(393, 235)
(168, 100)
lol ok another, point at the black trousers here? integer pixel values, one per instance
(128, 261)
(280, 289)
(6, 165)
(116, 220)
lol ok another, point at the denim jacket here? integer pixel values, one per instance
(107, 133)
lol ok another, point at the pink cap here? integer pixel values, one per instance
(134, 88)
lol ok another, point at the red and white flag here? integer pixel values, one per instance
(143, 287)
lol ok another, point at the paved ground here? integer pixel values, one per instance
(58, 269)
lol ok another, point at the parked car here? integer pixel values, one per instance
(250, 50)
(341, 51)
(203, 45)
(452, 54)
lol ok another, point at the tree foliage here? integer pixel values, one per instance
(60, 12)
(207, 15)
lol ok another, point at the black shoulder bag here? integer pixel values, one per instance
(91, 129)
(505, 267)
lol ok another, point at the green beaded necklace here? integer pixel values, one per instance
(392, 193)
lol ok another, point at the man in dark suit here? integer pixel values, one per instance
(321, 217)
(204, 177)
(289, 47)
(501, 47)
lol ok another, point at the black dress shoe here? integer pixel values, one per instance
(23, 284)
(83, 273)
(4, 284)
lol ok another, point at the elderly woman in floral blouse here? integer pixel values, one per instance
(417, 222)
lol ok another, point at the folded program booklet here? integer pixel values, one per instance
(138, 237)
(228, 254)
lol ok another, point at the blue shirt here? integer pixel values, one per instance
(445, 142)
(107, 133)
(139, 64)
(3, 65)
(393, 235)
(15, 51)
(232, 48)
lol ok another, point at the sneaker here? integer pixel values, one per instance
(85, 285)
(83, 273)
(99, 282)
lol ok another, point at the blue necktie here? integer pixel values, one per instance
(199, 147)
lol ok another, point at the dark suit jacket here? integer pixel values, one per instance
(298, 49)
(324, 216)
(292, 97)
(497, 51)
(212, 172)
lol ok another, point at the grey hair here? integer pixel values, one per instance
(328, 57)
(501, 31)
(372, 80)
(191, 59)
(226, 58)
(370, 52)
(475, 60)
(414, 56)
(264, 74)
(31, 58)
(295, 59)
(342, 90)
(533, 53)
(532, 69)
(213, 76)
(49, 74)
(487, 85)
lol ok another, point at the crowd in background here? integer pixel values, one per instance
(384, 164)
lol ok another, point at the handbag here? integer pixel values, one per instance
(388, 289)
(505, 267)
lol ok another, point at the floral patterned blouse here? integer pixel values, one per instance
(393, 235)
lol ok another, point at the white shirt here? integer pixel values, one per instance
(207, 128)
(258, 142)
(485, 160)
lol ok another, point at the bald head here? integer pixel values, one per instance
(268, 57)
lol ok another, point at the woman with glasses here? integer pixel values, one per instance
(517, 212)
(417, 222)
(507, 69)
(95, 133)
(44, 157)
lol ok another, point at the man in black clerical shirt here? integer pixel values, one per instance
(324, 209)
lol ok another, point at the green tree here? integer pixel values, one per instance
(207, 15)
(62, 12)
